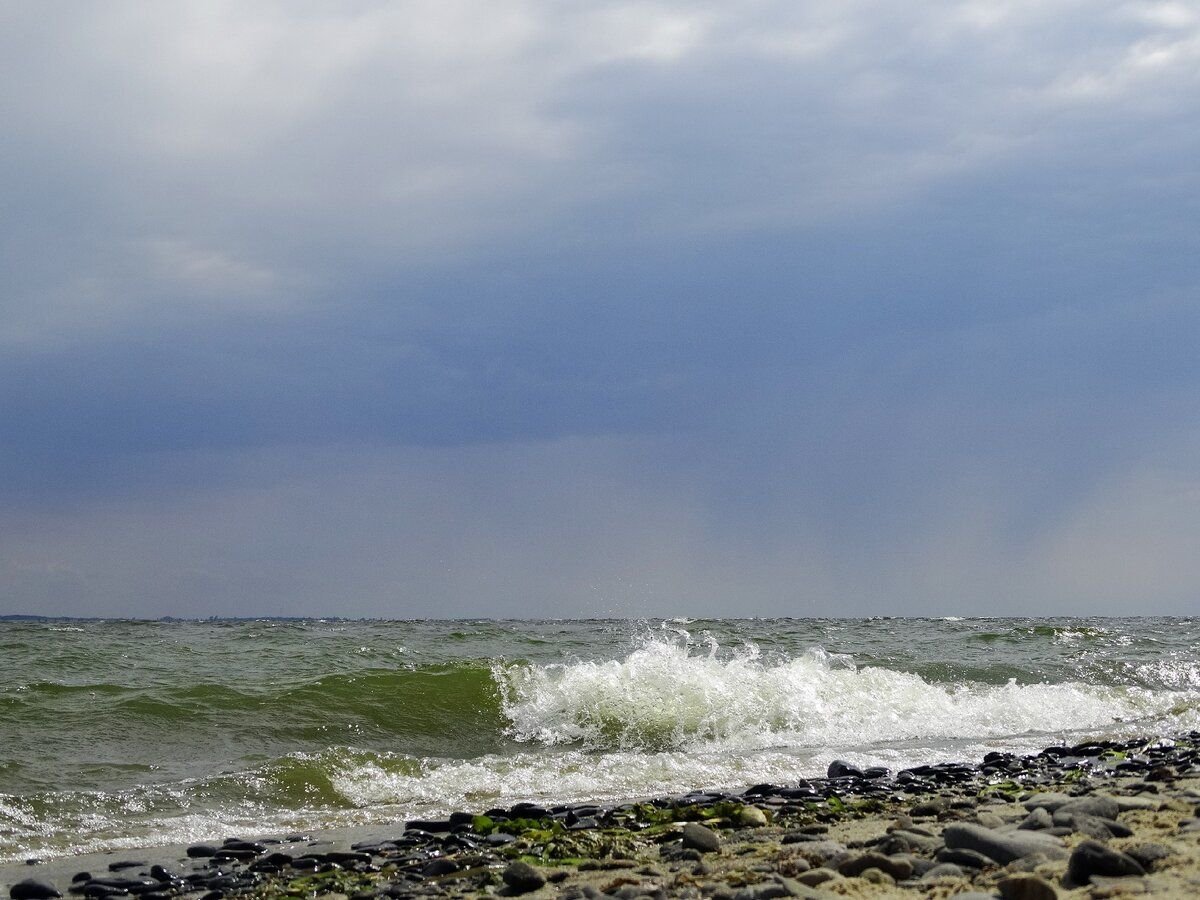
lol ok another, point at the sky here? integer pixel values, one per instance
(585, 308)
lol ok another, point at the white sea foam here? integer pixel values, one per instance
(665, 696)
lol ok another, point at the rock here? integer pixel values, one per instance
(1093, 826)
(943, 870)
(522, 877)
(820, 875)
(876, 876)
(839, 768)
(1026, 887)
(32, 889)
(1093, 858)
(1002, 846)
(700, 837)
(988, 819)
(439, 866)
(200, 851)
(1125, 804)
(898, 869)
(1148, 854)
(751, 816)
(972, 859)
(1038, 819)
(1091, 805)
(1048, 800)
(931, 807)
(903, 840)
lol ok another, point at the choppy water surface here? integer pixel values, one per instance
(126, 733)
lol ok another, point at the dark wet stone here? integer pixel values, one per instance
(440, 866)
(839, 768)
(161, 873)
(347, 857)
(700, 837)
(498, 839)
(125, 864)
(522, 877)
(201, 851)
(33, 889)
(1093, 858)
(96, 890)
(306, 862)
(526, 810)
(429, 826)
(80, 877)
(250, 846)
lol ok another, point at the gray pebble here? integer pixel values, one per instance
(700, 837)
(522, 877)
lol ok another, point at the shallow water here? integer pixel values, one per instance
(123, 733)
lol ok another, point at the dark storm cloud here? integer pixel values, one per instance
(863, 307)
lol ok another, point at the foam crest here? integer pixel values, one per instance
(667, 695)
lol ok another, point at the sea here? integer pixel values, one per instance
(119, 734)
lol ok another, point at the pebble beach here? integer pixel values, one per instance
(1105, 818)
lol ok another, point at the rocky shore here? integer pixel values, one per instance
(1101, 819)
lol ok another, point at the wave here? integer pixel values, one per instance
(663, 695)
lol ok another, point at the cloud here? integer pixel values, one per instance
(902, 291)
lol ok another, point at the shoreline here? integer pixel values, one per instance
(1104, 818)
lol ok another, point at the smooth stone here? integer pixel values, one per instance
(961, 856)
(439, 866)
(902, 839)
(1003, 847)
(1049, 801)
(201, 851)
(821, 852)
(943, 870)
(33, 889)
(1037, 820)
(876, 876)
(839, 768)
(1115, 828)
(897, 869)
(1149, 854)
(1093, 858)
(700, 837)
(820, 875)
(988, 819)
(1126, 804)
(125, 864)
(751, 816)
(1026, 887)
(522, 877)
(1091, 805)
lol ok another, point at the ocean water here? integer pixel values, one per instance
(120, 734)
